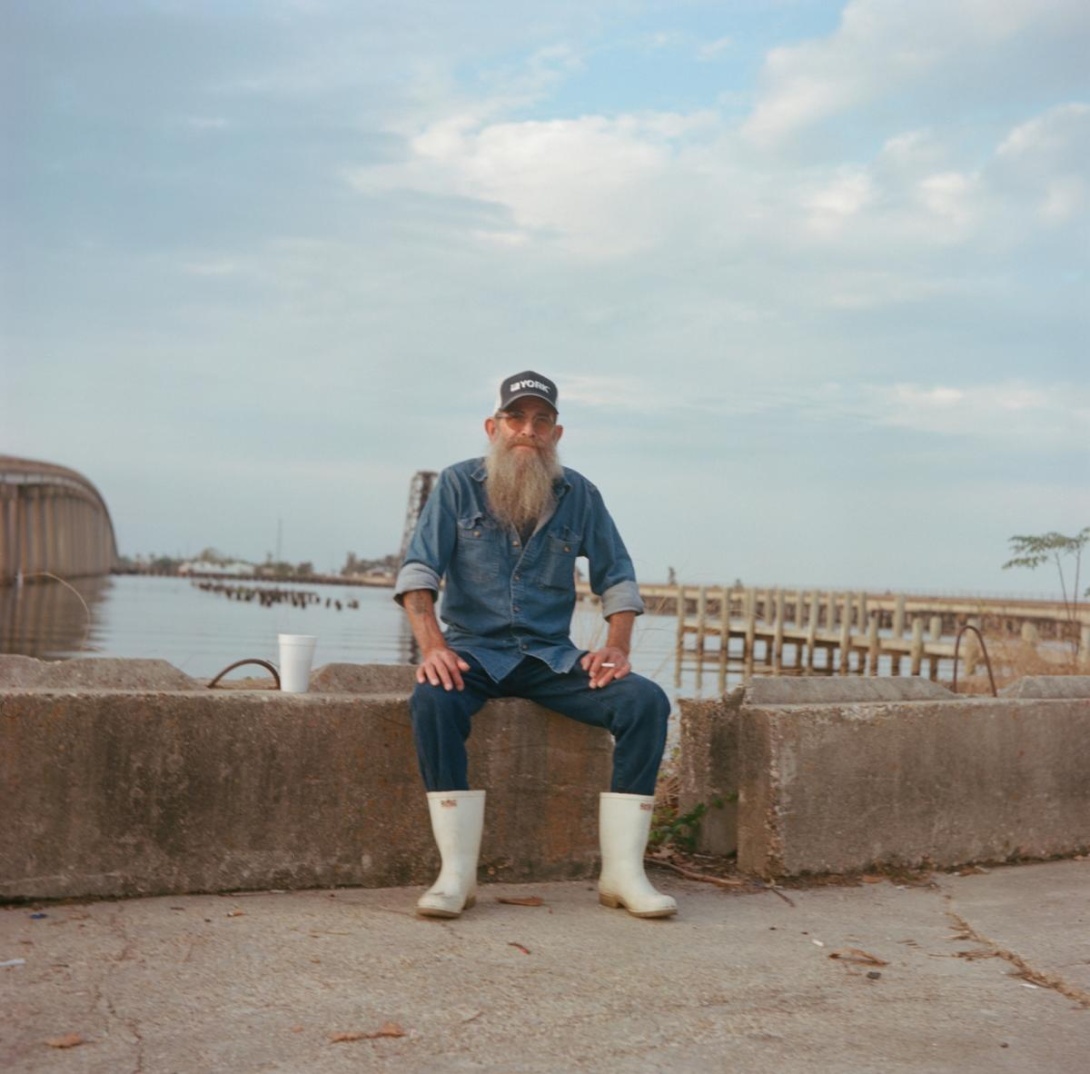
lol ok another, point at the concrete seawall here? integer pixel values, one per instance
(127, 778)
(840, 775)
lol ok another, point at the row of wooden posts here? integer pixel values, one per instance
(777, 631)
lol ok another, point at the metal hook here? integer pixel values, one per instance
(983, 649)
(265, 664)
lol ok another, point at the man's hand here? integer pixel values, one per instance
(442, 667)
(611, 661)
(605, 664)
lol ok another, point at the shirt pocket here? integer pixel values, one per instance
(478, 553)
(558, 569)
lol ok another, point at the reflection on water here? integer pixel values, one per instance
(50, 619)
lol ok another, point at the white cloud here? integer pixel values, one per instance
(950, 196)
(588, 184)
(609, 187)
(664, 39)
(883, 288)
(1051, 133)
(911, 151)
(530, 81)
(207, 123)
(1034, 416)
(802, 96)
(1065, 198)
(830, 207)
(1028, 416)
(712, 50)
(1046, 160)
(215, 267)
(633, 393)
(883, 48)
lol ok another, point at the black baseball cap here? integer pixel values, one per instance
(526, 385)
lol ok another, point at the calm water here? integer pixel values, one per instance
(202, 632)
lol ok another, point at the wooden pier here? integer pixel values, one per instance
(773, 631)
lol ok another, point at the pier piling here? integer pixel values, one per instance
(771, 630)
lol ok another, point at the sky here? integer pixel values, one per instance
(811, 276)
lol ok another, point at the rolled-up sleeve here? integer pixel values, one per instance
(612, 574)
(431, 545)
(415, 576)
(622, 597)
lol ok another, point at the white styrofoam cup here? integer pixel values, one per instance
(296, 656)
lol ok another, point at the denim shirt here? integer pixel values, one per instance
(504, 598)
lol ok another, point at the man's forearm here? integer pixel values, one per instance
(620, 631)
(439, 665)
(419, 605)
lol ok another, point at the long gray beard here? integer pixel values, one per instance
(520, 484)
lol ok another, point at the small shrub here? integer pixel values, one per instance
(679, 830)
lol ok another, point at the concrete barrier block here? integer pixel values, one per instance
(1049, 686)
(92, 673)
(543, 773)
(810, 690)
(19, 672)
(112, 793)
(841, 788)
(708, 769)
(363, 679)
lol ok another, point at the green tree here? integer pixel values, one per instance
(354, 564)
(1033, 550)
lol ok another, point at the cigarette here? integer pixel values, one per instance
(607, 665)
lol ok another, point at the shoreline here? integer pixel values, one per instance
(648, 589)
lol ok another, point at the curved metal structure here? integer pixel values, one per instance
(52, 520)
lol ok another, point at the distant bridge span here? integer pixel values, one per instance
(53, 520)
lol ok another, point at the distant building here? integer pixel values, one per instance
(237, 569)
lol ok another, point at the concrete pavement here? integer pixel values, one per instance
(984, 972)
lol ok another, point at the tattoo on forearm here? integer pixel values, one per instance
(418, 602)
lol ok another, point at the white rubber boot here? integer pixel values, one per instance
(624, 823)
(457, 820)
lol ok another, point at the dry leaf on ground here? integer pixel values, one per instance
(529, 900)
(387, 1029)
(69, 1040)
(855, 954)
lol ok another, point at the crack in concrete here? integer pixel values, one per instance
(132, 1026)
(1041, 978)
(116, 923)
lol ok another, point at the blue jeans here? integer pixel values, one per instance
(634, 710)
